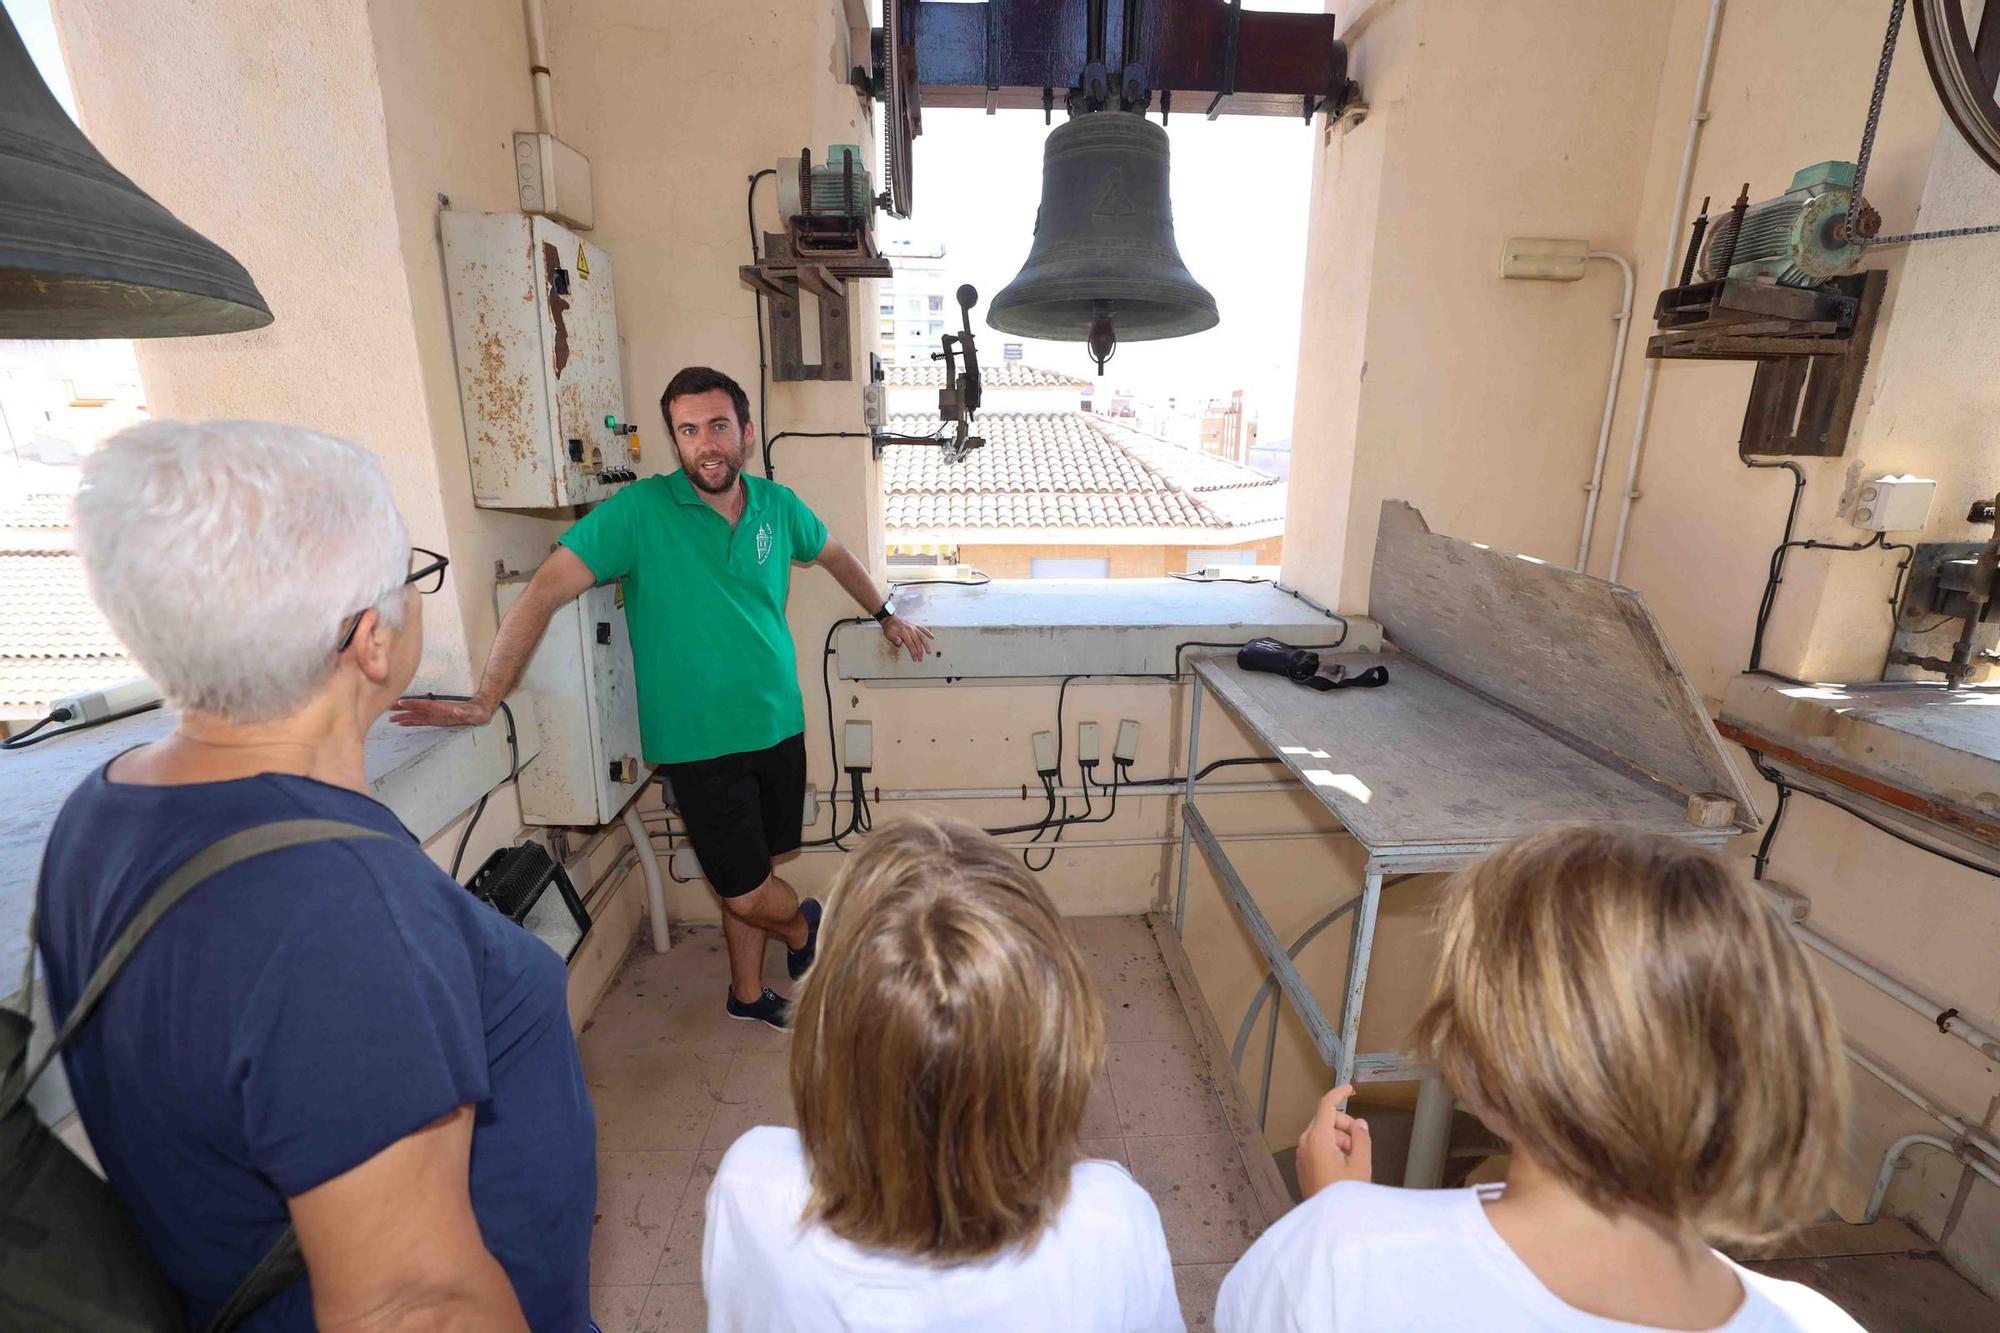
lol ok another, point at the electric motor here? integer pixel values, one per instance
(1798, 239)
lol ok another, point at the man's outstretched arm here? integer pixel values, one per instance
(853, 576)
(562, 578)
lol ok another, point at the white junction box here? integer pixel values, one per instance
(1894, 504)
(857, 746)
(553, 178)
(535, 330)
(586, 698)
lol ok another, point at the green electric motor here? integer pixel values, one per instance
(1799, 239)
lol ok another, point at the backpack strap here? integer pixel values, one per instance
(281, 1266)
(282, 1263)
(211, 860)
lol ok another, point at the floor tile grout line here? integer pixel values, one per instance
(694, 1169)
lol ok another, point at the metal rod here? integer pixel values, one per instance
(1290, 983)
(1896, 1083)
(1694, 242)
(1358, 954)
(1697, 117)
(1270, 1055)
(1268, 985)
(1430, 1133)
(1187, 802)
(1596, 486)
(1138, 840)
(1893, 1158)
(1171, 787)
(1946, 1018)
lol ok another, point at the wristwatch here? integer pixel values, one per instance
(888, 609)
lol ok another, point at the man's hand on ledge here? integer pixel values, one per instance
(420, 712)
(911, 638)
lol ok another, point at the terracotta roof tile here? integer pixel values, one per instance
(1006, 375)
(1069, 470)
(52, 640)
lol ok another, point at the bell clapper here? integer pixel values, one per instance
(1102, 340)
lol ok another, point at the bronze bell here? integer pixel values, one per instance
(1104, 267)
(85, 253)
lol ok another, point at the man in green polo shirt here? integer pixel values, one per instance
(705, 557)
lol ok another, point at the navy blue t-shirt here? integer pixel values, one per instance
(297, 1014)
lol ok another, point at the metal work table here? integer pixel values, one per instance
(1520, 696)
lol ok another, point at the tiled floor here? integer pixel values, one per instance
(675, 1081)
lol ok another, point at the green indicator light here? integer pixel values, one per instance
(611, 423)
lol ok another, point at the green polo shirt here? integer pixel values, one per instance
(706, 608)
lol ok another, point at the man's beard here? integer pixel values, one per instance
(731, 471)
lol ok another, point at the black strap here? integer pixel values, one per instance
(1373, 678)
(281, 1264)
(279, 1268)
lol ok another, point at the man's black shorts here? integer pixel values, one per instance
(741, 810)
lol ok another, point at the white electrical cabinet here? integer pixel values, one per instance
(535, 330)
(586, 700)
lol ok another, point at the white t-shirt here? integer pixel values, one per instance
(1102, 1265)
(1358, 1256)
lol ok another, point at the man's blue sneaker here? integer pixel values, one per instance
(771, 1009)
(798, 960)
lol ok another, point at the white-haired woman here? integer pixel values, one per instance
(334, 1036)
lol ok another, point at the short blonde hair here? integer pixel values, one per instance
(1629, 1012)
(943, 1047)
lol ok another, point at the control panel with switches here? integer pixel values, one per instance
(586, 702)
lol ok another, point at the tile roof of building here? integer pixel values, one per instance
(1072, 471)
(53, 642)
(1006, 375)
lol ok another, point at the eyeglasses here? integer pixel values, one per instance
(428, 578)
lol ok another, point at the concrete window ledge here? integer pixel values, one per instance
(428, 776)
(1037, 628)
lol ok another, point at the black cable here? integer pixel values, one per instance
(28, 737)
(832, 749)
(772, 442)
(1777, 574)
(458, 857)
(1783, 783)
(763, 362)
(1179, 648)
(513, 773)
(1202, 772)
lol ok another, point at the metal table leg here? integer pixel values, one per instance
(1187, 803)
(1429, 1134)
(1357, 972)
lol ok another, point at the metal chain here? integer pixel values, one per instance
(1874, 118)
(1868, 150)
(1907, 237)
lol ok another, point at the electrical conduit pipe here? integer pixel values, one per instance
(1596, 486)
(1947, 1018)
(649, 866)
(1696, 117)
(538, 65)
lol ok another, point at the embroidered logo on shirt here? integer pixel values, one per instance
(763, 542)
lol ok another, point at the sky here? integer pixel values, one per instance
(1241, 186)
(38, 33)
